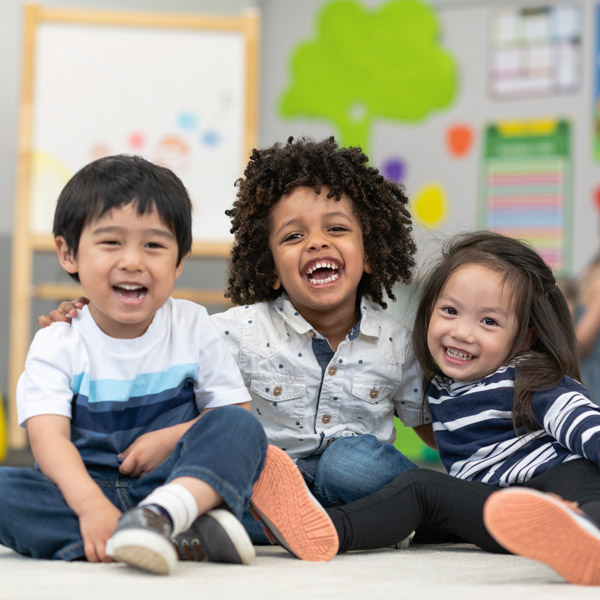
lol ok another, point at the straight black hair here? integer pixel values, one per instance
(116, 181)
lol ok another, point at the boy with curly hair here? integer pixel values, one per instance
(319, 236)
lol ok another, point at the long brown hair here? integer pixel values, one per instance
(540, 308)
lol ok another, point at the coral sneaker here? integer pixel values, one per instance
(546, 528)
(289, 512)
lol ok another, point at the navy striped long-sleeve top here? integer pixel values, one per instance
(473, 428)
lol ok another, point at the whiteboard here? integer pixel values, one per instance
(176, 96)
(179, 90)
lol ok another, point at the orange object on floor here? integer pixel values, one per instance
(545, 528)
(289, 512)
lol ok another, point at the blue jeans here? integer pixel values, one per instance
(225, 448)
(349, 469)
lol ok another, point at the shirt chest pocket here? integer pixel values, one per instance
(372, 401)
(278, 400)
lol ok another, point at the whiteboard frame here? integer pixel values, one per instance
(25, 243)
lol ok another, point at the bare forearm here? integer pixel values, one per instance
(60, 461)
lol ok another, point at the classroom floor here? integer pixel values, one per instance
(449, 571)
(421, 572)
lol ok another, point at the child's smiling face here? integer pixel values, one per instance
(473, 324)
(127, 265)
(317, 246)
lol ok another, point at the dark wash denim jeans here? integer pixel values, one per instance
(226, 448)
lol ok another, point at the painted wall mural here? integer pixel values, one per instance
(365, 64)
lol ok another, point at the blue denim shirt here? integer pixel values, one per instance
(372, 376)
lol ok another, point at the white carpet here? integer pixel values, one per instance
(421, 572)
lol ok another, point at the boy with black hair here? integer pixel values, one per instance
(138, 364)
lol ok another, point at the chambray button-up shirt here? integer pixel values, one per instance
(305, 401)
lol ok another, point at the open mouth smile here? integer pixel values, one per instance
(322, 272)
(457, 354)
(130, 290)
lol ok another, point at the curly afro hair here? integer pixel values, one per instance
(380, 205)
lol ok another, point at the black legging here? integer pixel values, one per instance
(435, 502)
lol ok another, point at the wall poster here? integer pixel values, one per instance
(526, 186)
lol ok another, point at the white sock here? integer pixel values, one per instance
(179, 503)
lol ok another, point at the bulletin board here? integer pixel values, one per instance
(177, 89)
(535, 50)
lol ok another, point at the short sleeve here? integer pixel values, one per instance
(230, 329)
(409, 402)
(219, 381)
(45, 385)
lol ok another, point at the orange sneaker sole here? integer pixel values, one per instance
(289, 511)
(542, 527)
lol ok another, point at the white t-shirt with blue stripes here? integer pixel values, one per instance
(473, 428)
(115, 390)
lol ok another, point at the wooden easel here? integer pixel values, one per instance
(26, 243)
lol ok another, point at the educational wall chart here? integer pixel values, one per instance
(526, 186)
(535, 50)
(596, 83)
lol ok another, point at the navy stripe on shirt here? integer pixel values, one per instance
(474, 432)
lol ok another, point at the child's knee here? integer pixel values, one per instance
(354, 467)
(365, 455)
(351, 448)
(234, 419)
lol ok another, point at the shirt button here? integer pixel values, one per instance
(330, 441)
(277, 391)
(374, 393)
(326, 418)
(332, 371)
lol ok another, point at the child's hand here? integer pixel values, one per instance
(97, 525)
(65, 312)
(147, 452)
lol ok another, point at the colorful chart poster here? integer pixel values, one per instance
(535, 50)
(596, 107)
(526, 186)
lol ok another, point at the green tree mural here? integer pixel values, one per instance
(366, 64)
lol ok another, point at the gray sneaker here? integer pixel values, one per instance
(142, 539)
(216, 536)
